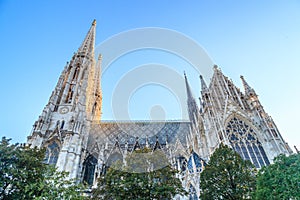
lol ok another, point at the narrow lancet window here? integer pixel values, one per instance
(62, 124)
(52, 152)
(89, 170)
(192, 193)
(76, 72)
(70, 94)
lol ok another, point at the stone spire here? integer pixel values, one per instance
(75, 101)
(249, 91)
(191, 102)
(204, 87)
(75, 85)
(188, 88)
(87, 46)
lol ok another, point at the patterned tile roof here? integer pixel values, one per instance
(132, 131)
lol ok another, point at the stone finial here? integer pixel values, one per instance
(100, 57)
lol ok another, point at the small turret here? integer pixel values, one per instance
(204, 87)
(96, 109)
(250, 94)
(249, 91)
(204, 94)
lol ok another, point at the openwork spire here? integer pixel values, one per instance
(87, 46)
(188, 89)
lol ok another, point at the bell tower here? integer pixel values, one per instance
(63, 126)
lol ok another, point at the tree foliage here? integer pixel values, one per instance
(280, 180)
(227, 176)
(23, 175)
(147, 175)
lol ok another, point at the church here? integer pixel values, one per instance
(78, 141)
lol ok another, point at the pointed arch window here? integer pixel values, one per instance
(52, 152)
(181, 163)
(244, 141)
(70, 94)
(94, 108)
(192, 193)
(195, 162)
(76, 72)
(89, 169)
(62, 124)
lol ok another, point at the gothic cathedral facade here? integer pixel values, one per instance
(77, 141)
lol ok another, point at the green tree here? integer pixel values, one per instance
(280, 180)
(23, 175)
(147, 175)
(57, 186)
(227, 176)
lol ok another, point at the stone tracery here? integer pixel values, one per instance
(244, 141)
(52, 151)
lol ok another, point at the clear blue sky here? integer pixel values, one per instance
(260, 40)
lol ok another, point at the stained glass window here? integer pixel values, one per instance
(192, 193)
(89, 170)
(245, 142)
(52, 152)
(182, 163)
(198, 163)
